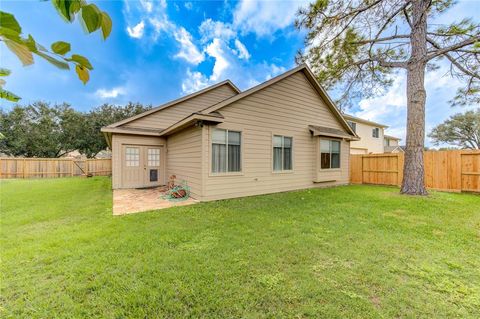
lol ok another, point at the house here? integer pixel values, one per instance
(372, 137)
(281, 135)
(391, 144)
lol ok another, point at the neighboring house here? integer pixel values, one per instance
(281, 135)
(390, 144)
(372, 137)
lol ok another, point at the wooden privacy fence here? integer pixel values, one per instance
(53, 167)
(456, 170)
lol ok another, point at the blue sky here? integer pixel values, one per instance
(161, 50)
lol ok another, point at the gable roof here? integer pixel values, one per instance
(390, 137)
(175, 102)
(311, 78)
(360, 120)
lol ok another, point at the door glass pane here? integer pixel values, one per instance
(132, 156)
(153, 155)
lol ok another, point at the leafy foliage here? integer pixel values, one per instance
(357, 46)
(92, 19)
(93, 140)
(41, 130)
(462, 129)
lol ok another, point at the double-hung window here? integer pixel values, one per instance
(226, 151)
(282, 153)
(376, 132)
(329, 154)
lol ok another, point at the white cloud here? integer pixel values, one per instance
(218, 50)
(264, 17)
(137, 31)
(109, 94)
(274, 70)
(188, 51)
(147, 5)
(188, 5)
(242, 51)
(210, 29)
(194, 81)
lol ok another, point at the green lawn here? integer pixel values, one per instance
(346, 252)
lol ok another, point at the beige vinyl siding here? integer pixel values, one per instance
(284, 108)
(184, 153)
(170, 115)
(122, 139)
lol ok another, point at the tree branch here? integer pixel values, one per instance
(454, 62)
(452, 47)
(400, 36)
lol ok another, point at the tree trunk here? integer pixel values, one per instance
(413, 172)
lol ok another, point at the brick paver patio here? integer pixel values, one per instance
(128, 201)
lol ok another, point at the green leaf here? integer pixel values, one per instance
(4, 72)
(8, 21)
(9, 96)
(59, 64)
(106, 25)
(21, 51)
(83, 74)
(92, 17)
(61, 47)
(83, 61)
(64, 8)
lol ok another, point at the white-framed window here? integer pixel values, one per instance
(226, 151)
(353, 125)
(132, 156)
(376, 132)
(282, 153)
(329, 154)
(153, 157)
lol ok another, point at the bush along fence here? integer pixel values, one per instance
(53, 167)
(456, 170)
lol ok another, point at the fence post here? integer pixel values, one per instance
(86, 167)
(24, 161)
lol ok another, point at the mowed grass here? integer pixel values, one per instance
(345, 252)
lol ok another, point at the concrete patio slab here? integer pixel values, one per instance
(129, 201)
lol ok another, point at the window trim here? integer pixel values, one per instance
(331, 169)
(282, 171)
(210, 152)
